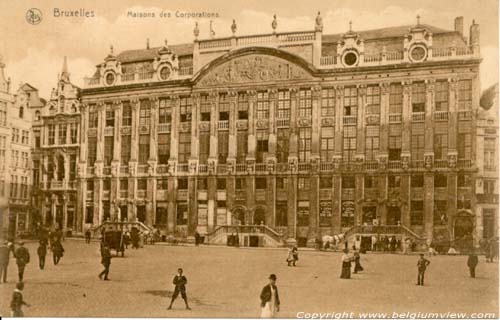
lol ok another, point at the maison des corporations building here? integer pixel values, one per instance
(304, 133)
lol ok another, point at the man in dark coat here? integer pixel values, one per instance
(180, 282)
(270, 299)
(17, 301)
(57, 251)
(4, 260)
(105, 261)
(22, 259)
(422, 266)
(88, 235)
(42, 253)
(472, 262)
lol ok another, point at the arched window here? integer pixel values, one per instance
(21, 112)
(37, 116)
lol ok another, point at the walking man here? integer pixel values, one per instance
(4, 261)
(42, 253)
(270, 299)
(472, 262)
(180, 282)
(422, 266)
(87, 236)
(57, 251)
(106, 261)
(17, 301)
(22, 259)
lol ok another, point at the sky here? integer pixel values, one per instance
(34, 53)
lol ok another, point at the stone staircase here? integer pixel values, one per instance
(122, 225)
(384, 230)
(268, 237)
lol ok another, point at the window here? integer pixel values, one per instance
(489, 154)
(417, 181)
(204, 147)
(418, 97)
(305, 103)
(110, 117)
(145, 113)
(441, 95)
(440, 146)
(262, 145)
(463, 204)
(126, 149)
(89, 214)
(185, 109)
(440, 181)
(281, 213)
(239, 184)
(182, 213)
(123, 184)
(162, 184)
(394, 181)
(464, 94)
(106, 184)
(108, 150)
(205, 108)
(242, 146)
(303, 213)
(282, 141)
(489, 186)
(464, 146)
(36, 134)
(184, 147)
(161, 214)
(396, 98)
(348, 182)
(325, 213)
(163, 148)
(417, 213)
(395, 141)
(304, 144)
(304, 184)
(142, 184)
(371, 182)
(464, 181)
(281, 183)
(325, 182)
(202, 184)
(372, 141)
(223, 146)
(373, 99)
(260, 183)
(327, 143)
(52, 134)
(223, 107)
(93, 119)
(62, 133)
(182, 183)
(37, 116)
(440, 209)
(90, 185)
(92, 151)
(349, 143)
(347, 214)
(489, 218)
(328, 102)
(283, 111)
(417, 141)
(262, 105)
(350, 101)
(242, 106)
(73, 128)
(165, 111)
(221, 184)
(126, 114)
(144, 143)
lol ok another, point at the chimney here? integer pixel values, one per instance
(459, 25)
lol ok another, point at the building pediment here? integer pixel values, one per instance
(254, 65)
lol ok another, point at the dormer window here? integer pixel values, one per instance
(37, 116)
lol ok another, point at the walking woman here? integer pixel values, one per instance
(357, 264)
(346, 265)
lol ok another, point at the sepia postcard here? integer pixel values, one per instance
(249, 159)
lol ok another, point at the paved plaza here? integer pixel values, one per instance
(226, 282)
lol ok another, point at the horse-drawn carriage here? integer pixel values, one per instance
(115, 240)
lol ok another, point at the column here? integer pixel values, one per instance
(359, 195)
(316, 122)
(83, 137)
(174, 132)
(360, 123)
(214, 121)
(452, 120)
(172, 205)
(134, 151)
(65, 214)
(405, 196)
(153, 134)
(195, 115)
(100, 133)
(406, 147)
(211, 194)
(384, 119)
(192, 208)
(252, 142)
(292, 210)
(233, 118)
(429, 205)
(429, 124)
(273, 105)
(382, 194)
(336, 212)
(452, 200)
(339, 127)
(270, 201)
(314, 210)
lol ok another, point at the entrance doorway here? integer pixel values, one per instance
(463, 233)
(369, 214)
(366, 244)
(393, 215)
(259, 216)
(253, 241)
(239, 217)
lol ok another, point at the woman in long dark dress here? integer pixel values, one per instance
(346, 265)
(357, 264)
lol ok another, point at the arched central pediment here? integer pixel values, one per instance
(254, 65)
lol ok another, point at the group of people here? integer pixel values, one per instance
(347, 261)
(386, 244)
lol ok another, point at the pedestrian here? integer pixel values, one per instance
(346, 265)
(4, 260)
(472, 262)
(22, 259)
(88, 235)
(17, 301)
(180, 282)
(57, 252)
(289, 258)
(357, 264)
(422, 266)
(295, 254)
(42, 252)
(105, 261)
(270, 299)
(196, 238)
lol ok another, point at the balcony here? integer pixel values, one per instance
(164, 127)
(304, 167)
(417, 164)
(142, 169)
(326, 166)
(124, 169)
(162, 169)
(371, 165)
(57, 184)
(395, 118)
(185, 71)
(282, 167)
(221, 169)
(202, 168)
(260, 168)
(349, 120)
(241, 168)
(418, 116)
(127, 77)
(464, 115)
(394, 165)
(282, 123)
(182, 167)
(90, 170)
(145, 75)
(464, 164)
(441, 116)
(441, 164)
(223, 125)
(106, 171)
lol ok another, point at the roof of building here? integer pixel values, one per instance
(151, 53)
(488, 97)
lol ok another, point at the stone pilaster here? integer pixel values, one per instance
(195, 134)
(153, 134)
(406, 119)
(429, 124)
(314, 211)
(429, 205)
(405, 197)
(339, 125)
(252, 140)
(316, 122)
(360, 123)
(134, 151)
(174, 132)
(336, 212)
(233, 117)
(292, 210)
(172, 204)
